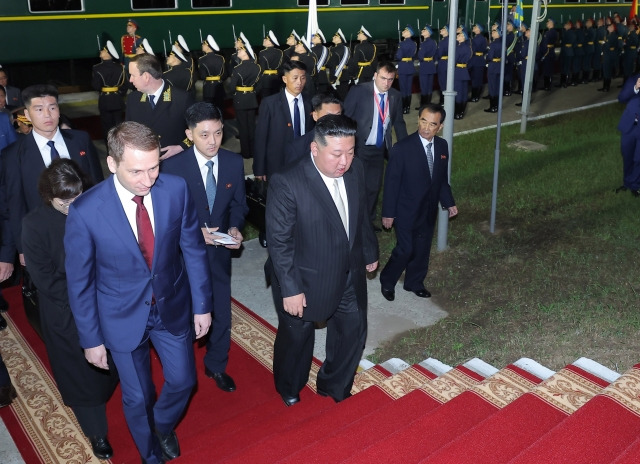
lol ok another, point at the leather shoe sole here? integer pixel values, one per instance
(290, 400)
(7, 395)
(324, 393)
(389, 295)
(101, 447)
(3, 323)
(223, 380)
(169, 445)
(422, 293)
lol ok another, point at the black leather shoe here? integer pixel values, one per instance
(7, 395)
(169, 445)
(389, 295)
(3, 323)
(422, 293)
(262, 238)
(223, 380)
(324, 393)
(101, 447)
(4, 305)
(290, 400)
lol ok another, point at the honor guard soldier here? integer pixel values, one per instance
(630, 51)
(578, 57)
(405, 55)
(144, 47)
(292, 41)
(130, 41)
(589, 51)
(427, 69)
(212, 72)
(609, 56)
(461, 75)
(510, 58)
(598, 49)
(178, 74)
(234, 60)
(270, 60)
(337, 63)
(108, 78)
(364, 58)
(244, 80)
(303, 54)
(567, 54)
(547, 53)
(322, 54)
(182, 47)
(523, 60)
(443, 56)
(477, 62)
(493, 69)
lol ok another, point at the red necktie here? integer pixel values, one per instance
(146, 239)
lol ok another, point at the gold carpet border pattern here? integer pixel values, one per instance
(626, 390)
(50, 425)
(449, 385)
(503, 387)
(403, 382)
(366, 379)
(567, 391)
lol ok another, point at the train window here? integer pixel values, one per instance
(354, 2)
(319, 2)
(391, 2)
(153, 4)
(36, 6)
(572, 1)
(210, 3)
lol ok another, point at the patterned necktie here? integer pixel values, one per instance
(296, 119)
(342, 211)
(146, 240)
(54, 153)
(152, 101)
(210, 186)
(380, 134)
(430, 159)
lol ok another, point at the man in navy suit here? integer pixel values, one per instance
(376, 107)
(24, 161)
(416, 181)
(13, 96)
(321, 244)
(137, 272)
(630, 138)
(226, 214)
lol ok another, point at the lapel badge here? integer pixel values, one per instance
(289, 124)
(444, 157)
(228, 186)
(82, 153)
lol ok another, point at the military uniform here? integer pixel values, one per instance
(405, 55)
(579, 54)
(108, 79)
(477, 65)
(609, 57)
(548, 54)
(179, 76)
(321, 54)
(270, 59)
(598, 51)
(589, 53)
(493, 74)
(461, 76)
(630, 53)
(363, 62)
(442, 56)
(510, 62)
(211, 68)
(427, 69)
(337, 63)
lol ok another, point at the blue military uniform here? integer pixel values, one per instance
(589, 51)
(567, 54)
(405, 55)
(477, 63)
(442, 57)
(547, 53)
(461, 76)
(609, 57)
(493, 71)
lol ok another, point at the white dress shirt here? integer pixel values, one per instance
(126, 198)
(300, 107)
(45, 150)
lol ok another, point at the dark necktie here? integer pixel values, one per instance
(380, 134)
(296, 119)
(210, 187)
(152, 101)
(54, 153)
(430, 159)
(146, 239)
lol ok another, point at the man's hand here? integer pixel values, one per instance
(171, 150)
(372, 267)
(209, 238)
(97, 356)
(6, 269)
(453, 211)
(387, 222)
(237, 236)
(263, 178)
(295, 304)
(21, 257)
(201, 322)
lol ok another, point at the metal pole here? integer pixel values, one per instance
(496, 158)
(449, 104)
(531, 65)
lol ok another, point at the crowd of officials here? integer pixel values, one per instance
(318, 124)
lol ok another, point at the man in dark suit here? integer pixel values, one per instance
(13, 96)
(24, 161)
(630, 136)
(321, 244)
(222, 210)
(137, 272)
(376, 107)
(157, 104)
(416, 181)
(322, 104)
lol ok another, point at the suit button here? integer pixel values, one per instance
(147, 303)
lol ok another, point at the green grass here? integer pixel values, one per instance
(559, 279)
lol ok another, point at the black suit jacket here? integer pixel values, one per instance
(167, 119)
(23, 164)
(411, 196)
(274, 130)
(299, 148)
(229, 207)
(309, 251)
(359, 106)
(14, 96)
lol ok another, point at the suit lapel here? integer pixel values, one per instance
(193, 177)
(284, 108)
(351, 185)
(31, 154)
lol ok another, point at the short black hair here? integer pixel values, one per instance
(290, 65)
(148, 63)
(387, 66)
(334, 125)
(201, 111)
(320, 99)
(38, 91)
(63, 179)
(433, 108)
